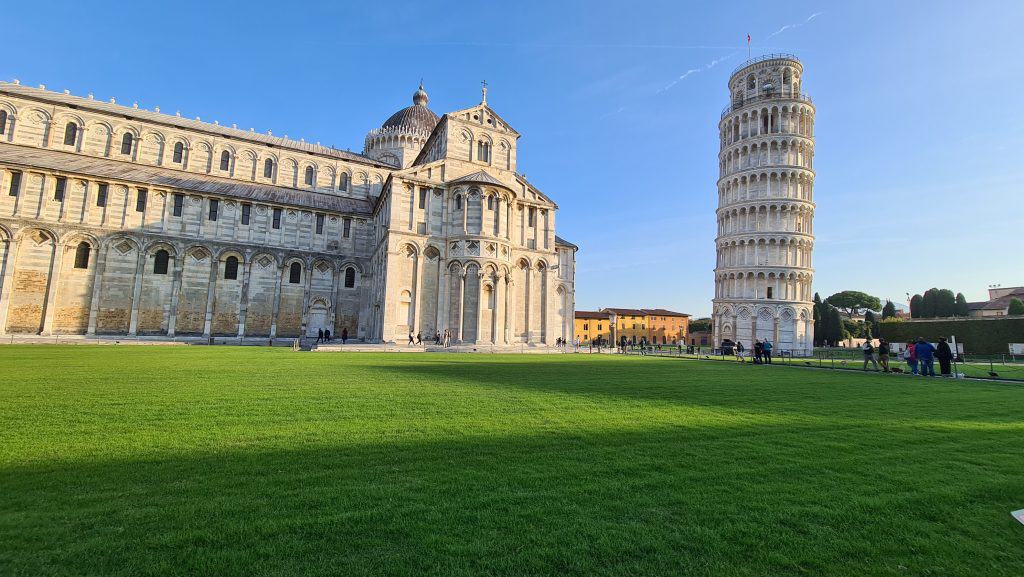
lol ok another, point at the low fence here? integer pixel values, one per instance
(1004, 367)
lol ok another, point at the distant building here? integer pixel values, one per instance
(998, 303)
(659, 326)
(591, 325)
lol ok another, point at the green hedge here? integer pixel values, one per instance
(978, 336)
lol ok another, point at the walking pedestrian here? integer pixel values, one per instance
(419, 339)
(411, 339)
(883, 354)
(766, 351)
(869, 354)
(319, 335)
(945, 355)
(925, 357)
(910, 355)
(437, 338)
(739, 351)
(344, 335)
(327, 335)
(758, 351)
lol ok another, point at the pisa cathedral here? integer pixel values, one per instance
(765, 210)
(116, 220)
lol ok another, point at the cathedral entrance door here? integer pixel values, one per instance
(317, 320)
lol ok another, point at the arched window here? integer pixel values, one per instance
(343, 181)
(179, 151)
(160, 262)
(225, 160)
(458, 202)
(483, 151)
(308, 178)
(295, 273)
(490, 202)
(70, 134)
(126, 143)
(231, 268)
(82, 255)
(3, 122)
(268, 168)
(751, 82)
(350, 277)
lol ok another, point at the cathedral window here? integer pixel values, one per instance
(490, 202)
(82, 255)
(483, 151)
(70, 134)
(343, 181)
(58, 190)
(277, 219)
(15, 184)
(214, 206)
(179, 151)
(268, 168)
(532, 216)
(246, 213)
(179, 204)
(423, 197)
(347, 228)
(3, 122)
(350, 277)
(126, 143)
(160, 260)
(319, 224)
(101, 194)
(140, 200)
(225, 160)
(295, 273)
(231, 268)
(458, 202)
(308, 178)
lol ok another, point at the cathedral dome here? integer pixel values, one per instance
(416, 117)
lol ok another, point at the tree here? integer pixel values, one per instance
(916, 307)
(889, 310)
(870, 325)
(851, 302)
(1016, 307)
(834, 327)
(945, 303)
(819, 322)
(961, 305)
(928, 303)
(701, 325)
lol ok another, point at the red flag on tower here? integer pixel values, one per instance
(748, 46)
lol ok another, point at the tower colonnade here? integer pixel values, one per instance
(763, 271)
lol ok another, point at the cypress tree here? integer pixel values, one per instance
(917, 307)
(835, 325)
(945, 303)
(928, 303)
(889, 310)
(961, 305)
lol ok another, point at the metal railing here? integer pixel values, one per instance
(762, 97)
(762, 58)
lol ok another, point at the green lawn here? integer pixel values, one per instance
(181, 461)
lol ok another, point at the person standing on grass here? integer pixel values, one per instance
(945, 355)
(925, 357)
(910, 355)
(766, 351)
(869, 354)
(739, 351)
(758, 351)
(883, 355)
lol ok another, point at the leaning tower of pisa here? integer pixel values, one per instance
(766, 208)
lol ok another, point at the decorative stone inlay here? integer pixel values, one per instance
(124, 247)
(265, 261)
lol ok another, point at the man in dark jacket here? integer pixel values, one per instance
(945, 355)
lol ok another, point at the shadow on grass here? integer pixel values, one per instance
(788, 391)
(760, 501)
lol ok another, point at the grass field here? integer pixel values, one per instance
(250, 461)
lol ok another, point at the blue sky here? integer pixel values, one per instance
(920, 127)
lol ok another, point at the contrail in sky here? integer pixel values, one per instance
(791, 26)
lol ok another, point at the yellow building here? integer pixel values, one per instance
(591, 325)
(655, 326)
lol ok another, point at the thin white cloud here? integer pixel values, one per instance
(693, 71)
(792, 26)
